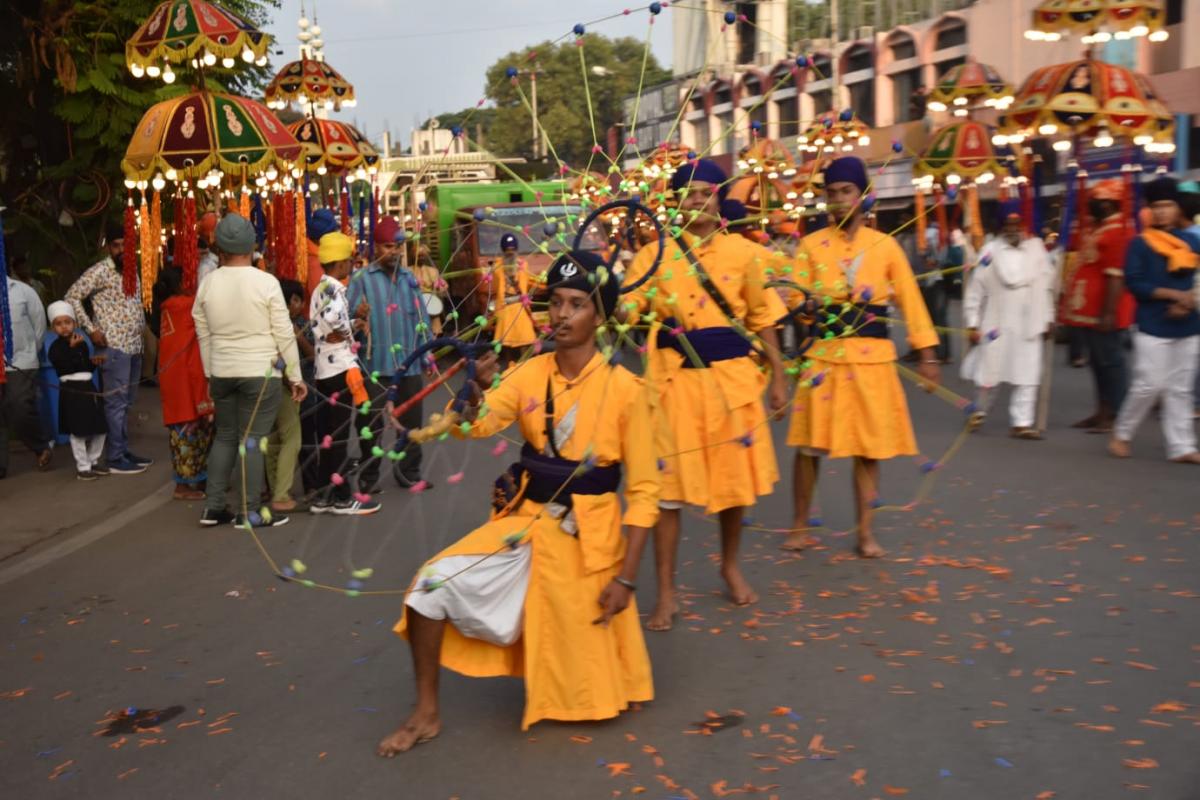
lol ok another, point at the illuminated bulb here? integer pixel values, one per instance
(999, 140)
(1159, 36)
(936, 106)
(960, 112)
(296, 173)
(328, 105)
(1143, 139)
(168, 76)
(351, 178)
(801, 140)
(130, 183)
(137, 69)
(1139, 30)
(351, 103)
(153, 71)
(1049, 129)
(1103, 140)
(371, 170)
(953, 180)
(260, 181)
(361, 174)
(262, 62)
(846, 148)
(960, 101)
(1016, 138)
(209, 59)
(321, 170)
(864, 140)
(314, 186)
(302, 22)
(158, 183)
(172, 175)
(248, 55)
(202, 183)
(1103, 36)
(1121, 36)
(271, 173)
(1062, 145)
(227, 62)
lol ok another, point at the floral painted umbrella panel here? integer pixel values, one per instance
(964, 149)
(332, 145)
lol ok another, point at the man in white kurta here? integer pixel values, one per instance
(1008, 310)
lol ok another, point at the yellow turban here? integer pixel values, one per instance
(335, 247)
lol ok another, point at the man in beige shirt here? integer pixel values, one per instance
(246, 339)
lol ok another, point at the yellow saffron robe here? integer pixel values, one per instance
(514, 322)
(573, 670)
(714, 443)
(858, 408)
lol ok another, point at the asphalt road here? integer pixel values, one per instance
(1032, 634)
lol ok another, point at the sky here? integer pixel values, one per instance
(411, 60)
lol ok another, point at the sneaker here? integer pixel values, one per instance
(100, 469)
(357, 508)
(261, 519)
(145, 462)
(321, 506)
(123, 466)
(86, 475)
(210, 518)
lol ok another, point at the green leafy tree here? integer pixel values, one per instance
(70, 107)
(613, 70)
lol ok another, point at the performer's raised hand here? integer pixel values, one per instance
(486, 367)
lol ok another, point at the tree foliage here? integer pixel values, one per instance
(70, 106)
(562, 99)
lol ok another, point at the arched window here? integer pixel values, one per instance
(903, 46)
(722, 93)
(952, 33)
(907, 76)
(859, 57)
(787, 110)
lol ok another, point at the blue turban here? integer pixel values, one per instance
(320, 223)
(702, 169)
(847, 169)
(579, 269)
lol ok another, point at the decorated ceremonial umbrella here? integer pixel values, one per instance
(1088, 98)
(651, 179)
(967, 85)
(311, 80)
(332, 145)
(194, 31)
(963, 152)
(198, 136)
(1098, 21)
(832, 132)
(766, 172)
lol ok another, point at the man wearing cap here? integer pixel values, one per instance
(1160, 271)
(849, 402)
(1008, 310)
(116, 330)
(244, 331)
(710, 310)
(1096, 300)
(545, 590)
(388, 297)
(19, 401)
(513, 321)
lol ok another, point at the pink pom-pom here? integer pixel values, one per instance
(642, 349)
(418, 487)
(677, 331)
(333, 398)
(392, 308)
(355, 347)
(336, 479)
(597, 149)
(537, 346)
(499, 449)
(327, 442)
(455, 478)
(362, 497)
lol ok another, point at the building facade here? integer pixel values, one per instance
(731, 76)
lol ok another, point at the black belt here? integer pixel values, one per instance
(707, 345)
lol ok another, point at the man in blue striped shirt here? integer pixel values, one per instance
(388, 296)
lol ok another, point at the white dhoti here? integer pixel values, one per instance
(1166, 369)
(1022, 404)
(483, 597)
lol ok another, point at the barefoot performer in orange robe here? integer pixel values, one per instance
(849, 402)
(544, 591)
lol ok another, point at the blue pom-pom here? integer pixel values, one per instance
(480, 214)
(827, 122)
(131, 711)
(814, 522)
(691, 154)
(928, 467)
(876, 503)
(579, 30)
(511, 72)
(730, 17)
(897, 146)
(550, 228)
(866, 294)
(661, 465)
(251, 444)
(801, 61)
(456, 130)
(288, 572)
(846, 115)
(280, 364)
(354, 583)
(868, 202)
(951, 192)
(656, 8)
(993, 335)
(818, 379)
(756, 126)
(422, 206)
(970, 408)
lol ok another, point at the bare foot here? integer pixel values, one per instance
(420, 727)
(1118, 448)
(662, 618)
(1190, 458)
(797, 542)
(869, 548)
(739, 590)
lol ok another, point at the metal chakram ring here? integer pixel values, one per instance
(634, 206)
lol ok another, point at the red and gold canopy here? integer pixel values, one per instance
(332, 146)
(833, 132)
(963, 152)
(189, 136)
(766, 171)
(183, 30)
(970, 84)
(1089, 98)
(311, 80)
(1098, 20)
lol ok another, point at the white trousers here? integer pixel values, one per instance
(87, 451)
(1022, 402)
(1162, 369)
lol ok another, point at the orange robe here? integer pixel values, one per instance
(573, 670)
(858, 407)
(714, 443)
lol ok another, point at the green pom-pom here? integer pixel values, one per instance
(365, 408)
(365, 433)
(465, 427)
(242, 450)
(363, 573)
(307, 584)
(444, 437)
(263, 443)
(481, 320)
(668, 274)
(393, 455)
(351, 593)
(299, 566)
(375, 376)
(496, 381)
(396, 348)
(497, 347)
(377, 451)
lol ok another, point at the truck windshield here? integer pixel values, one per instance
(529, 224)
